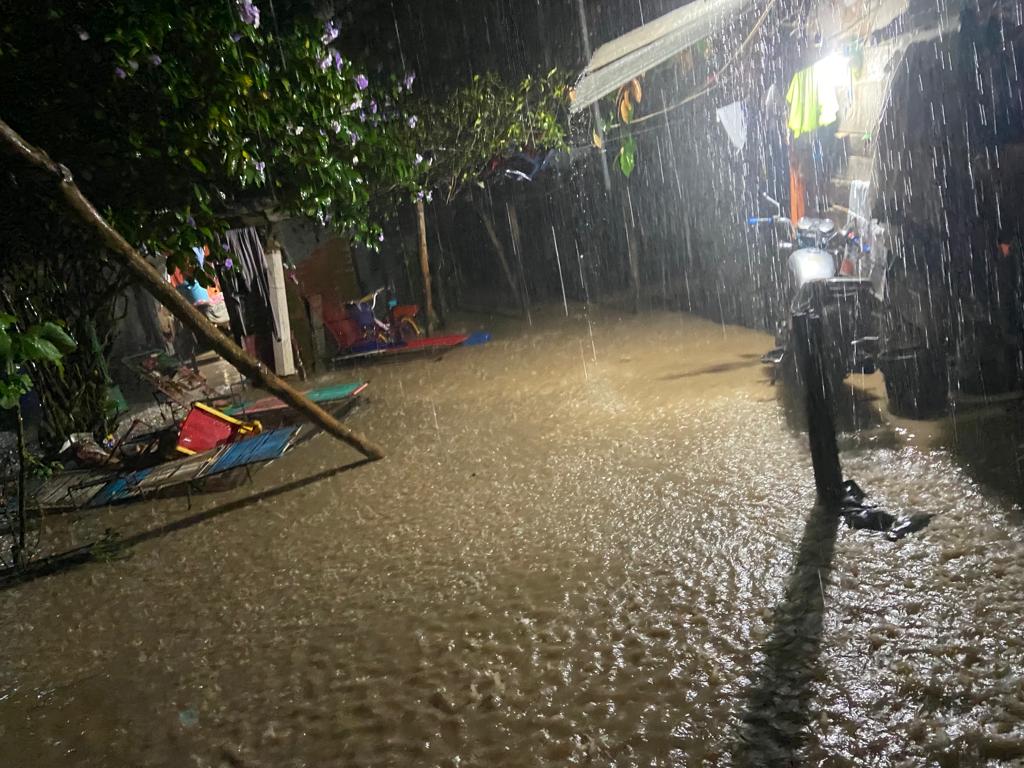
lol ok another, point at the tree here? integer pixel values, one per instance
(180, 117)
(463, 139)
(23, 353)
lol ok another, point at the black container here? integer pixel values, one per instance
(916, 382)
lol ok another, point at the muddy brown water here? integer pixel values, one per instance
(593, 542)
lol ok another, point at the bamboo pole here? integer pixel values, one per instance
(428, 294)
(161, 290)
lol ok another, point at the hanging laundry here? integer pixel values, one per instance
(797, 190)
(734, 120)
(813, 95)
(802, 98)
(245, 287)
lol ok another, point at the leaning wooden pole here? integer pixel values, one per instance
(162, 291)
(428, 293)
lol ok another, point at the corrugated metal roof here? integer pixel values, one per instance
(619, 61)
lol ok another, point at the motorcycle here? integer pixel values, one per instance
(821, 261)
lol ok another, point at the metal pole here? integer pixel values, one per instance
(593, 107)
(828, 473)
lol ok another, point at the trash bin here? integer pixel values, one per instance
(916, 382)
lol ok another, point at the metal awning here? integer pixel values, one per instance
(619, 61)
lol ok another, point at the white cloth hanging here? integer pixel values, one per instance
(734, 120)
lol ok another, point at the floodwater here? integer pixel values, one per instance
(593, 542)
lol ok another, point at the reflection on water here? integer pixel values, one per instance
(589, 545)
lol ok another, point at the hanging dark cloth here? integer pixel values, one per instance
(247, 282)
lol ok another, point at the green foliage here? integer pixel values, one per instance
(627, 156)
(45, 343)
(178, 116)
(486, 119)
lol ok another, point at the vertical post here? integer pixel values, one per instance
(828, 474)
(284, 360)
(316, 322)
(428, 295)
(585, 34)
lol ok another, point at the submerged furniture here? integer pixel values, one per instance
(205, 428)
(169, 377)
(91, 488)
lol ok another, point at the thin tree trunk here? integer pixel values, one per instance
(161, 290)
(442, 283)
(428, 294)
(499, 248)
(517, 247)
(19, 547)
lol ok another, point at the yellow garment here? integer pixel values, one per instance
(812, 100)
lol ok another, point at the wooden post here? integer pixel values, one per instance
(428, 294)
(828, 473)
(284, 360)
(147, 276)
(316, 322)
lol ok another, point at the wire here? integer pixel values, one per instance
(715, 78)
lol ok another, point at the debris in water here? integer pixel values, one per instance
(862, 516)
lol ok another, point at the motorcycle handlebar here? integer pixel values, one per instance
(756, 220)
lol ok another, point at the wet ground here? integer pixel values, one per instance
(593, 542)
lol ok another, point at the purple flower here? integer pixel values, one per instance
(420, 195)
(228, 263)
(249, 13)
(380, 237)
(362, 117)
(361, 82)
(120, 73)
(259, 165)
(336, 126)
(413, 120)
(155, 60)
(235, 36)
(191, 221)
(373, 107)
(409, 80)
(225, 247)
(332, 57)
(353, 137)
(331, 32)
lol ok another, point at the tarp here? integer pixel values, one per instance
(619, 61)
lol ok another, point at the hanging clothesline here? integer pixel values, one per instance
(714, 81)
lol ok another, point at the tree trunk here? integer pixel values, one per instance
(20, 557)
(499, 248)
(428, 294)
(517, 246)
(163, 292)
